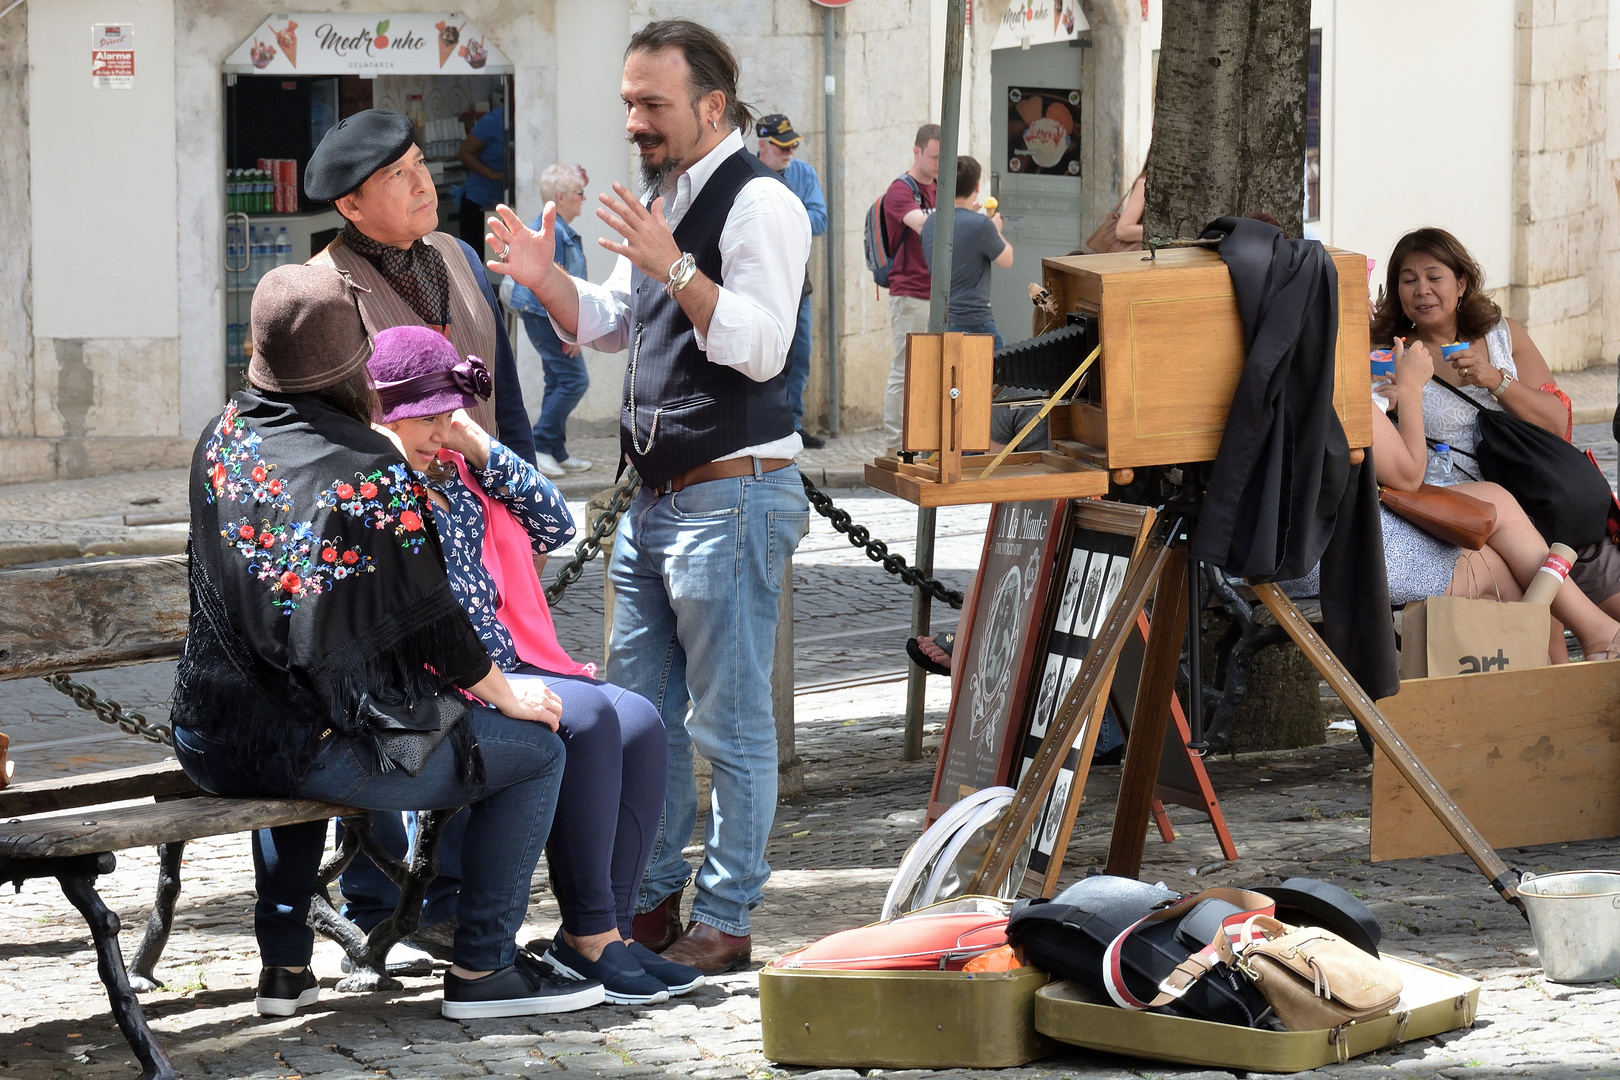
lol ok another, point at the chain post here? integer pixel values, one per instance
(877, 550)
(110, 712)
(921, 613)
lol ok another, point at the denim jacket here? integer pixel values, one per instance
(570, 253)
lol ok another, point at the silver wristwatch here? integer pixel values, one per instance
(1501, 387)
(681, 272)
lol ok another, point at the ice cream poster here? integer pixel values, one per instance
(338, 43)
(1043, 131)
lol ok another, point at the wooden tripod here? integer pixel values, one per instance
(1162, 572)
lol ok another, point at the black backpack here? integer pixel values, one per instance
(880, 250)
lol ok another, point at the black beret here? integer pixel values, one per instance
(355, 148)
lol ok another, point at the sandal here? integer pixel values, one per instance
(946, 642)
(1612, 653)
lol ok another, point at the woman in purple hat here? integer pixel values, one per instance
(494, 512)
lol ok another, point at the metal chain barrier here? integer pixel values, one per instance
(601, 527)
(110, 712)
(876, 550)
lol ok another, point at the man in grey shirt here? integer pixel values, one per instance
(978, 243)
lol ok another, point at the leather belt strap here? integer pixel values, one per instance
(720, 470)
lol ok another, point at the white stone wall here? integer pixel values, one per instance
(1566, 163)
(20, 453)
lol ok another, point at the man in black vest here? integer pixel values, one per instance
(705, 297)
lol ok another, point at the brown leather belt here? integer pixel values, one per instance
(720, 470)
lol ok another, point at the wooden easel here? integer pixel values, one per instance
(1162, 571)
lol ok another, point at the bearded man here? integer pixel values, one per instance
(705, 296)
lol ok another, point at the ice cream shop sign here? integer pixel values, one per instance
(345, 43)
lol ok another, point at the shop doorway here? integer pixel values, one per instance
(296, 76)
(1035, 170)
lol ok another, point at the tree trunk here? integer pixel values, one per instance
(1229, 117)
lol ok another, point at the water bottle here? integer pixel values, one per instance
(259, 257)
(283, 247)
(1442, 453)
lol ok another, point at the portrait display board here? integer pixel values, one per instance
(1102, 540)
(1043, 131)
(994, 649)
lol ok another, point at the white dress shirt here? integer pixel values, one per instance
(764, 248)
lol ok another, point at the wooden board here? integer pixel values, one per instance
(114, 785)
(1530, 756)
(1022, 477)
(95, 615)
(94, 830)
(1172, 352)
(928, 356)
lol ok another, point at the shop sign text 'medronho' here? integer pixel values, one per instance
(348, 43)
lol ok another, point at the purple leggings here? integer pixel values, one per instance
(608, 813)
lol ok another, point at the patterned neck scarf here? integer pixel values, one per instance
(417, 273)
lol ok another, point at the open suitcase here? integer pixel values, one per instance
(1433, 1001)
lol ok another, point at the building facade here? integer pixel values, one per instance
(116, 308)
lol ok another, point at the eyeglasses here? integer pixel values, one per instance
(580, 194)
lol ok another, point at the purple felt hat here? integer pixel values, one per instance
(419, 373)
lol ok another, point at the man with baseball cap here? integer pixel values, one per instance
(777, 143)
(409, 274)
(412, 275)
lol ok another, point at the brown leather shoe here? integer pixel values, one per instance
(711, 951)
(657, 929)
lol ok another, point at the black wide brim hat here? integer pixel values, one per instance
(353, 149)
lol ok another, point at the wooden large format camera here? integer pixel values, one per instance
(1171, 356)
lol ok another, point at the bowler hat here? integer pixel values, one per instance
(307, 331)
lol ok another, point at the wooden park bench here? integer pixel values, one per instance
(101, 615)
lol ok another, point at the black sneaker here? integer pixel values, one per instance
(811, 442)
(678, 977)
(282, 992)
(623, 980)
(524, 989)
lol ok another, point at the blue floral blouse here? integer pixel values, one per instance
(536, 504)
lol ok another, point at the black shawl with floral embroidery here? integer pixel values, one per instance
(318, 588)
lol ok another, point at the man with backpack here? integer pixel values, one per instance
(897, 220)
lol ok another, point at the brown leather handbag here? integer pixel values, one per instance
(1315, 979)
(1444, 513)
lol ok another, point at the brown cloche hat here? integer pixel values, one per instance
(307, 330)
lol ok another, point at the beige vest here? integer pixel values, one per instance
(472, 325)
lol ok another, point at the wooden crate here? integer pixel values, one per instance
(1172, 352)
(1531, 757)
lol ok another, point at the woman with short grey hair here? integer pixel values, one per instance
(564, 364)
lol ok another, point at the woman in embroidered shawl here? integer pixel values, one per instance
(326, 649)
(495, 512)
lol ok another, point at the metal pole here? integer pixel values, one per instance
(828, 183)
(950, 119)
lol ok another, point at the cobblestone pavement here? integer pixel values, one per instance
(834, 850)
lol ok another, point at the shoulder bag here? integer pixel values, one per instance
(1444, 513)
(1314, 979)
(1555, 483)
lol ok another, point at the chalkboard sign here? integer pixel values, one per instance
(1100, 544)
(994, 649)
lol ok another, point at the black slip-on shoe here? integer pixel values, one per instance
(624, 981)
(282, 992)
(526, 988)
(678, 977)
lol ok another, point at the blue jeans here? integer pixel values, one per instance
(508, 822)
(566, 382)
(986, 327)
(696, 578)
(608, 810)
(798, 364)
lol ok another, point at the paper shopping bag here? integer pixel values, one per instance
(1452, 635)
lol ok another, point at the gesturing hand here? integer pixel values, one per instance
(649, 242)
(527, 256)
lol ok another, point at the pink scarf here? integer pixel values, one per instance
(509, 557)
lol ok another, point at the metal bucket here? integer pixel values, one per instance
(1575, 917)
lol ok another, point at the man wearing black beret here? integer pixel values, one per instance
(369, 167)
